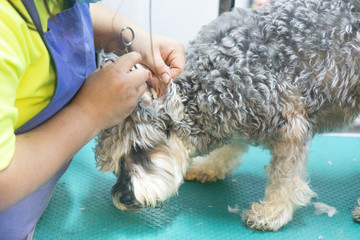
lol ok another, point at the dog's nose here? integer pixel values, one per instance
(127, 198)
(122, 194)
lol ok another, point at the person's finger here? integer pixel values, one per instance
(159, 86)
(128, 60)
(139, 76)
(160, 69)
(106, 64)
(141, 89)
(177, 63)
(176, 71)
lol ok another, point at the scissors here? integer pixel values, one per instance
(127, 45)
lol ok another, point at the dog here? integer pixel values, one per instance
(271, 77)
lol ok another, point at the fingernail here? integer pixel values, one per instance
(165, 78)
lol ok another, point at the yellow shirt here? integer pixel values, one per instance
(27, 79)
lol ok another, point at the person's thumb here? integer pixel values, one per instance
(162, 71)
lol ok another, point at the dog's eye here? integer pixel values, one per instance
(167, 132)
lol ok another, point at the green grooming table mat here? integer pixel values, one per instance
(81, 206)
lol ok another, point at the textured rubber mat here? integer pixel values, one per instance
(81, 207)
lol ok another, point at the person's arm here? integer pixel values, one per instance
(107, 97)
(166, 62)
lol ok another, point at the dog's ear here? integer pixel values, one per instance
(112, 145)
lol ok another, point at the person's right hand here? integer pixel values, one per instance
(110, 94)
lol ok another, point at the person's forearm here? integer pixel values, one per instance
(41, 152)
(107, 26)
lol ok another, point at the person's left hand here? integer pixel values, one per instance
(166, 61)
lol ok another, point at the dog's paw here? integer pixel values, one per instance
(203, 176)
(356, 212)
(267, 216)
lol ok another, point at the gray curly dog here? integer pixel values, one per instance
(272, 77)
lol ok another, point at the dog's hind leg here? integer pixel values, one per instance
(287, 188)
(217, 164)
(356, 212)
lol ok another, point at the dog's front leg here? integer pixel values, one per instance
(287, 189)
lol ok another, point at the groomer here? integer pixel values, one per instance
(53, 100)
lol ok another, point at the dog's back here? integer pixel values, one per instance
(248, 68)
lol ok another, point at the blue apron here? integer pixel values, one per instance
(70, 42)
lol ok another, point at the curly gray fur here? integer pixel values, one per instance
(244, 66)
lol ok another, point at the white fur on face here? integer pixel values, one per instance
(169, 163)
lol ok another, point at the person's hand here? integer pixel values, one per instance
(110, 94)
(167, 62)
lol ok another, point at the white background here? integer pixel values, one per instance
(177, 19)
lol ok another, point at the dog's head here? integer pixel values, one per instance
(142, 152)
